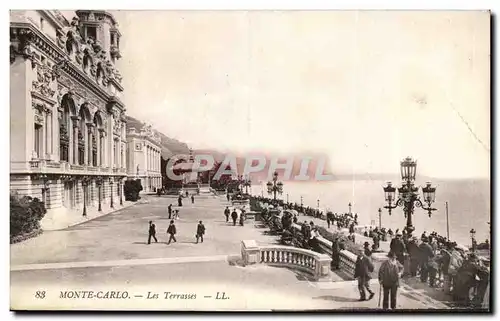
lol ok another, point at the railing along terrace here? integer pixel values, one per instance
(316, 264)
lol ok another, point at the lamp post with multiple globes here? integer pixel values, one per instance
(408, 197)
(274, 187)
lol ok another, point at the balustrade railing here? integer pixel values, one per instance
(76, 167)
(34, 164)
(317, 264)
(53, 165)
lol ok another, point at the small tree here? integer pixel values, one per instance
(131, 190)
(25, 214)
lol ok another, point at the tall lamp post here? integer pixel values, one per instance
(473, 239)
(120, 185)
(99, 184)
(379, 218)
(350, 206)
(111, 186)
(247, 183)
(84, 187)
(408, 197)
(275, 186)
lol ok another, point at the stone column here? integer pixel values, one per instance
(55, 135)
(71, 134)
(49, 136)
(98, 142)
(43, 140)
(85, 135)
(75, 140)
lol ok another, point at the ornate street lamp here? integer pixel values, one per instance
(247, 183)
(473, 239)
(111, 186)
(120, 184)
(275, 186)
(408, 197)
(350, 205)
(85, 180)
(99, 184)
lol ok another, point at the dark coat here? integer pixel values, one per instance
(171, 229)
(397, 246)
(200, 230)
(364, 267)
(388, 274)
(413, 250)
(234, 215)
(425, 252)
(152, 229)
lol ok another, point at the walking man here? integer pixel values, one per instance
(388, 277)
(234, 216)
(179, 200)
(398, 248)
(226, 213)
(152, 232)
(172, 231)
(192, 199)
(426, 254)
(200, 231)
(364, 267)
(170, 211)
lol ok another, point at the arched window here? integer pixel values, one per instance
(67, 105)
(82, 130)
(69, 43)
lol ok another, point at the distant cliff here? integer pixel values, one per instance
(170, 146)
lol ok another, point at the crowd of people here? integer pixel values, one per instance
(432, 258)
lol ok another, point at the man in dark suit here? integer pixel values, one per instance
(234, 216)
(170, 211)
(398, 248)
(226, 213)
(426, 254)
(200, 231)
(152, 232)
(364, 267)
(172, 231)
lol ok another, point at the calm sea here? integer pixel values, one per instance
(468, 204)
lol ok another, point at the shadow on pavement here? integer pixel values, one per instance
(435, 293)
(335, 298)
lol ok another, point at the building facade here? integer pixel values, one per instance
(68, 135)
(144, 156)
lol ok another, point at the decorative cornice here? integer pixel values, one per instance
(116, 83)
(53, 18)
(33, 36)
(39, 96)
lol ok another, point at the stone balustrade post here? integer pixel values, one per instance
(322, 272)
(250, 252)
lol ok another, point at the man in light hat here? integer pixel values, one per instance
(388, 276)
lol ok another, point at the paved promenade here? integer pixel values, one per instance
(111, 252)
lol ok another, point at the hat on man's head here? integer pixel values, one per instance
(366, 244)
(391, 255)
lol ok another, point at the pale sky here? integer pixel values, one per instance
(367, 88)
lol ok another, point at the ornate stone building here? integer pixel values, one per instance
(68, 136)
(144, 155)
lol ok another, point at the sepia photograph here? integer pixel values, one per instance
(250, 160)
